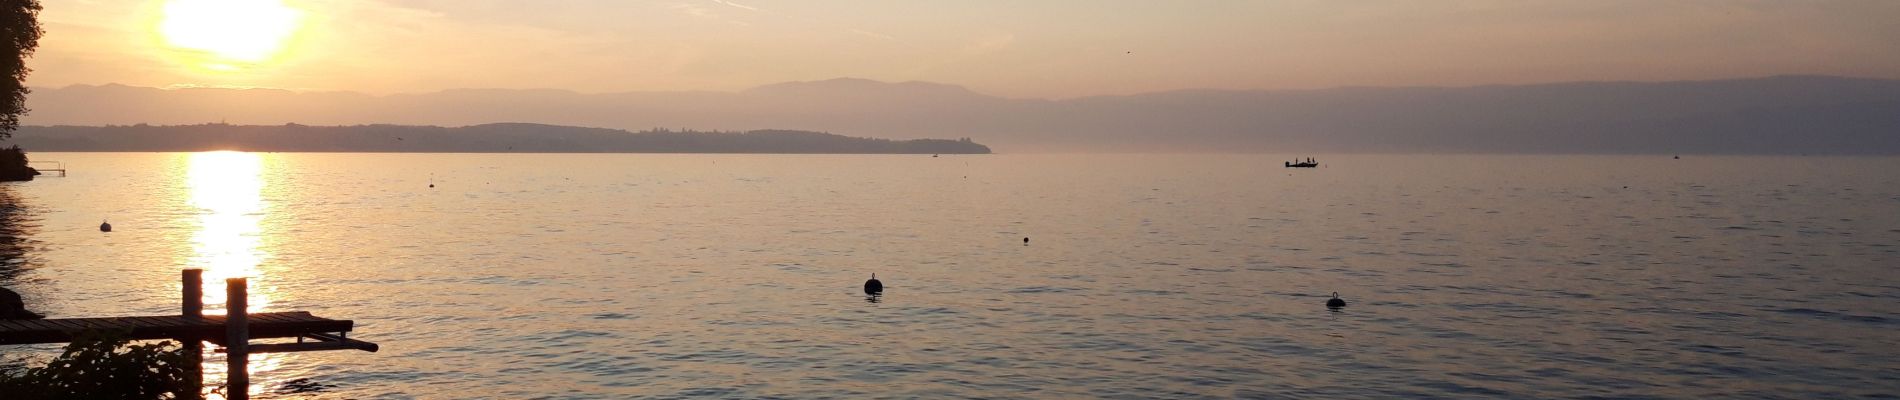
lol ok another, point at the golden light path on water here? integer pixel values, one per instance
(227, 188)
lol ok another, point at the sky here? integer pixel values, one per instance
(1026, 49)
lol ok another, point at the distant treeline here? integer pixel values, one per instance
(489, 138)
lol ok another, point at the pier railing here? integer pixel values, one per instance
(46, 167)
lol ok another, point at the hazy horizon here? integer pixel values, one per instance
(1769, 115)
(944, 84)
(1064, 76)
(1043, 50)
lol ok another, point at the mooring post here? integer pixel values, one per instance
(194, 296)
(237, 341)
(193, 308)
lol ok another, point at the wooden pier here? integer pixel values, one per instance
(262, 326)
(233, 331)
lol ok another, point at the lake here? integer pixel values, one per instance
(1146, 276)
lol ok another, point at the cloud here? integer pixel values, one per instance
(870, 34)
(990, 43)
(703, 12)
(692, 10)
(737, 5)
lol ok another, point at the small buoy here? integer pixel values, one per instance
(873, 287)
(105, 226)
(1025, 241)
(431, 185)
(1335, 302)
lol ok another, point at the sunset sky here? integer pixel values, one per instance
(1045, 49)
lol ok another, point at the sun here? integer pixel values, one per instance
(247, 31)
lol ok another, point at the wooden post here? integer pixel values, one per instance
(194, 301)
(193, 307)
(237, 341)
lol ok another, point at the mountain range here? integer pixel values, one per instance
(1767, 115)
(485, 138)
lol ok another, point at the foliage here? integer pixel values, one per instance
(12, 156)
(105, 367)
(13, 164)
(20, 32)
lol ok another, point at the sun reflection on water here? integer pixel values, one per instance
(227, 191)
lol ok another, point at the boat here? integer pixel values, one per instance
(1308, 163)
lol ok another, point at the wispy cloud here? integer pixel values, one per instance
(990, 43)
(870, 34)
(706, 13)
(692, 10)
(736, 5)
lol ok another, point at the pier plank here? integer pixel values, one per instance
(262, 325)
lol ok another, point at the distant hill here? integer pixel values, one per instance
(1769, 115)
(488, 138)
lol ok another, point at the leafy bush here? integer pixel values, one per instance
(13, 165)
(106, 367)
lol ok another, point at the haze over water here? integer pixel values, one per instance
(622, 275)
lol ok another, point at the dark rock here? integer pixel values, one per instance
(11, 307)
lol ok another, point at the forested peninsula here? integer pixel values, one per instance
(487, 138)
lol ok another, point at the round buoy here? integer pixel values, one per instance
(1336, 302)
(873, 287)
(105, 226)
(1025, 241)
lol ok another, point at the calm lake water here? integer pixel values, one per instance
(616, 276)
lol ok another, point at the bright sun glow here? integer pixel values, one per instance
(231, 30)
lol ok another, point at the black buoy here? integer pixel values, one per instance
(1336, 302)
(873, 287)
(1025, 241)
(105, 226)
